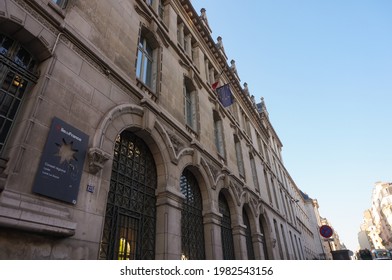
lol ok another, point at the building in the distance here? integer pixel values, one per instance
(376, 231)
(126, 134)
(317, 247)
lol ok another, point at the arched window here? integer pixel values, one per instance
(17, 72)
(129, 229)
(192, 230)
(226, 231)
(248, 234)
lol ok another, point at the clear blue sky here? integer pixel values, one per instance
(325, 71)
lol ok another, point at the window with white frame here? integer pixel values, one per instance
(144, 62)
(190, 104)
(147, 60)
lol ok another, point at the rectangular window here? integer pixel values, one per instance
(180, 34)
(219, 136)
(60, 3)
(190, 107)
(260, 145)
(161, 9)
(283, 201)
(254, 172)
(275, 195)
(268, 187)
(144, 62)
(240, 162)
(266, 154)
(247, 126)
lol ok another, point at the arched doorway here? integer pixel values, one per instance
(192, 227)
(130, 220)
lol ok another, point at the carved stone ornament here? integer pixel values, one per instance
(237, 191)
(178, 145)
(96, 160)
(214, 170)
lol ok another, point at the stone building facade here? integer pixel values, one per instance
(163, 170)
(376, 229)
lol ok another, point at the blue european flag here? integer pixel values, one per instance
(224, 95)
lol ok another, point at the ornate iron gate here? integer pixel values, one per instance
(226, 231)
(129, 229)
(263, 238)
(192, 230)
(249, 243)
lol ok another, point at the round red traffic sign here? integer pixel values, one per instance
(326, 231)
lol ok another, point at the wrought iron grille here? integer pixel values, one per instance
(192, 230)
(264, 240)
(17, 71)
(226, 231)
(129, 229)
(249, 243)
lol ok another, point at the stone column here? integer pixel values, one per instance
(257, 241)
(168, 227)
(212, 236)
(239, 238)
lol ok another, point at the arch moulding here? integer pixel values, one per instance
(111, 125)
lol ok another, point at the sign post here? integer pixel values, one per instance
(326, 231)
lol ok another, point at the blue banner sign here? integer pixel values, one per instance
(61, 164)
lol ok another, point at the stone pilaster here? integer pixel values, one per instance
(168, 232)
(212, 236)
(239, 238)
